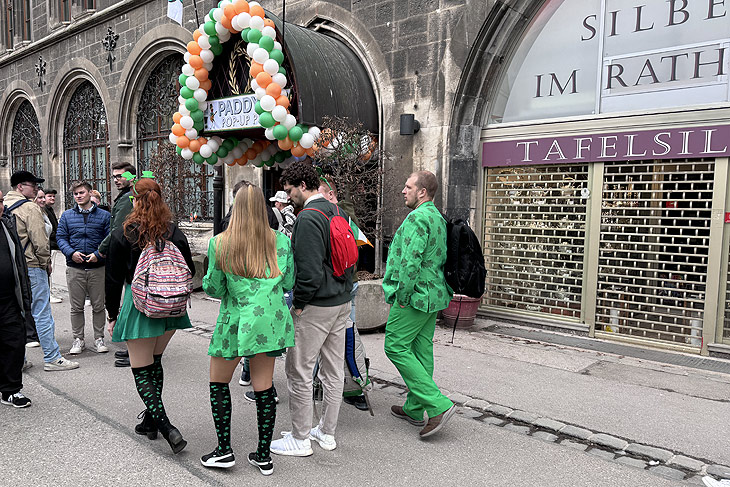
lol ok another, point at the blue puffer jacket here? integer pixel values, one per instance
(82, 232)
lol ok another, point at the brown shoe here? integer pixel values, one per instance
(398, 412)
(437, 422)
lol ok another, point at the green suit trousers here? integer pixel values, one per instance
(409, 345)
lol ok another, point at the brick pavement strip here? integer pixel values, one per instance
(634, 462)
(575, 445)
(493, 420)
(477, 404)
(668, 472)
(545, 436)
(549, 424)
(608, 441)
(498, 410)
(524, 416)
(606, 455)
(517, 428)
(650, 452)
(576, 432)
(469, 412)
(459, 398)
(719, 471)
(686, 463)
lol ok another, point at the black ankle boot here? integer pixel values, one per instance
(147, 426)
(173, 437)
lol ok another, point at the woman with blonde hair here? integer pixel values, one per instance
(249, 268)
(149, 223)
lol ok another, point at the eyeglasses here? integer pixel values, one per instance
(117, 177)
(32, 185)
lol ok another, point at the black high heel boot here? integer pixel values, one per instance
(173, 437)
(147, 426)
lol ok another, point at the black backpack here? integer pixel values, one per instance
(464, 269)
(8, 211)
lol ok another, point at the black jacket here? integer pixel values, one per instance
(22, 283)
(122, 261)
(54, 221)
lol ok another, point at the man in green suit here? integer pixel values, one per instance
(415, 286)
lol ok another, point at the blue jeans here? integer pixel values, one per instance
(353, 293)
(41, 311)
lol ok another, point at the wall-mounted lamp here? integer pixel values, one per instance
(408, 124)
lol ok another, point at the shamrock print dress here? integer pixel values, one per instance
(253, 317)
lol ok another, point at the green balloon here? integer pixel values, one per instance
(233, 140)
(209, 28)
(257, 108)
(212, 159)
(214, 41)
(280, 132)
(210, 14)
(266, 120)
(254, 36)
(279, 156)
(228, 144)
(217, 49)
(186, 92)
(220, 3)
(287, 154)
(191, 104)
(277, 56)
(282, 70)
(178, 150)
(270, 162)
(244, 34)
(222, 151)
(197, 158)
(267, 43)
(199, 126)
(182, 79)
(197, 115)
(295, 133)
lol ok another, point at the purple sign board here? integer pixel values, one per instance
(677, 143)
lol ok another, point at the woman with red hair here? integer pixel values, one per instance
(149, 223)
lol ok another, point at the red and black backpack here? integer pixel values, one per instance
(344, 252)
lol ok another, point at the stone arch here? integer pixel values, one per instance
(152, 47)
(14, 95)
(499, 36)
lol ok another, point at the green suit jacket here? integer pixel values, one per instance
(414, 275)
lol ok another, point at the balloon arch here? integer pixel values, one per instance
(268, 79)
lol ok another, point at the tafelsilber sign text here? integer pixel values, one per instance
(678, 143)
(233, 113)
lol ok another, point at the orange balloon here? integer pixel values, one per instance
(201, 74)
(178, 129)
(229, 11)
(257, 11)
(242, 161)
(226, 22)
(297, 151)
(258, 146)
(202, 140)
(194, 145)
(196, 35)
(273, 89)
(255, 69)
(268, 22)
(241, 6)
(282, 100)
(194, 48)
(310, 151)
(196, 62)
(183, 142)
(251, 153)
(263, 79)
(266, 143)
(232, 163)
(285, 144)
(176, 117)
(206, 85)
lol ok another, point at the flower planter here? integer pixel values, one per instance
(372, 311)
(463, 306)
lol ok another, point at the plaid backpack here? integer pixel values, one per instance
(162, 282)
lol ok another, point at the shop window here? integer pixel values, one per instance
(8, 20)
(85, 141)
(25, 141)
(189, 185)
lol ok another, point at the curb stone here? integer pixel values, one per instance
(549, 424)
(498, 410)
(523, 416)
(576, 432)
(669, 472)
(477, 404)
(608, 441)
(718, 471)
(686, 463)
(650, 452)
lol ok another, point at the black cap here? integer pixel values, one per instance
(51, 191)
(23, 177)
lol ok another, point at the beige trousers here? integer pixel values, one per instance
(319, 331)
(83, 282)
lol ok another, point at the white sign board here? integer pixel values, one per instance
(584, 57)
(233, 113)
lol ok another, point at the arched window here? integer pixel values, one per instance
(25, 146)
(85, 141)
(188, 186)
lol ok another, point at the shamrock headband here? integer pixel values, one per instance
(133, 178)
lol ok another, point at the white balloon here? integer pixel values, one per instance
(217, 139)
(188, 70)
(218, 163)
(279, 78)
(201, 28)
(187, 154)
(225, 3)
(220, 29)
(307, 141)
(208, 66)
(271, 66)
(192, 82)
(289, 121)
(268, 103)
(203, 42)
(228, 159)
(213, 144)
(254, 85)
(279, 113)
(314, 132)
(186, 57)
(202, 105)
(244, 19)
(257, 23)
(180, 100)
(183, 110)
(205, 151)
(237, 151)
(173, 138)
(247, 141)
(269, 31)
(253, 4)
(200, 95)
(225, 37)
(207, 56)
(235, 23)
(257, 161)
(260, 55)
(277, 45)
(260, 93)
(187, 122)
(191, 134)
(218, 14)
(251, 48)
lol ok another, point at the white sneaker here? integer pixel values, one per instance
(99, 345)
(711, 482)
(77, 347)
(292, 447)
(60, 364)
(32, 345)
(327, 442)
(55, 300)
(87, 303)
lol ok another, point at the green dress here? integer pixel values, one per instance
(254, 317)
(133, 324)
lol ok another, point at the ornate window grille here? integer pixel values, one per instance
(25, 146)
(85, 141)
(190, 182)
